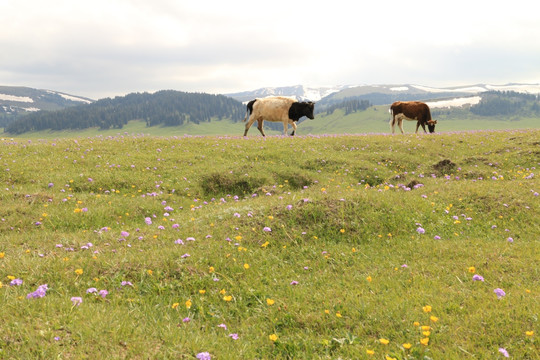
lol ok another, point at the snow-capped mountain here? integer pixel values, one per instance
(299, 92)
(386, 94)
(16, 100)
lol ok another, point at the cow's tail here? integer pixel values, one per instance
(249, 109)
(391, 122)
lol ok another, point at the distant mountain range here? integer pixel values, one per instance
(16, 101)
(173, 108)
(305, 93)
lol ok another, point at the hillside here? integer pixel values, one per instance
(314, 247)
(163, 108)
(18, 101)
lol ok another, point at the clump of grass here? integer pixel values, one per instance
(222, 184)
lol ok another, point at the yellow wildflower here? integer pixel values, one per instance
(427, 308)
(270, 302)
(175, 305)
(370, 352)
(529, 333)
(424, 341)
(227, 298)
(407, 346)
(384, 341)
(188, 304)
(79, 271)
(273, 337)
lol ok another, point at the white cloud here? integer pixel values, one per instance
(112, 47)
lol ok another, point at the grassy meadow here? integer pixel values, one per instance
(307, 247)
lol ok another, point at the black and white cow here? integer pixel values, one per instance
(413, 111)
(277, 109)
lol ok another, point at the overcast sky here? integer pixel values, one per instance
(105, 48)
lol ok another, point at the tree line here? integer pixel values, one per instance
(167, 108)
(506, 103)
(349, 105)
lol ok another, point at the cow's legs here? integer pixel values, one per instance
(293, 126)
(400, 125)
(260, 126)
(423, 127)
(285, 127)
(393, 124)
(248, 124)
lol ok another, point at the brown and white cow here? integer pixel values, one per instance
(277, 108)
(413, 111)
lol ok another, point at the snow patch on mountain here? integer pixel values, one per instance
(14, 98)
(457, 102)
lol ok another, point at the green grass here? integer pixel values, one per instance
(365, 232)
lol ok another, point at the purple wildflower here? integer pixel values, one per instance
(126, 283)
(148, 221)
(477, 277)
(179, 241)
(50, 185)
(103, 293)
(510, 240)
(91, 290)
(420, 230)
(186, 320)
(204, 356)
(185, 256)
(76, 300)
(16, 282)
(39, 293)
(294, 282)
(289, 207)
(223, 326)
(499, 292)
(504, 352)
(124, 233)
(234, 336)
(267, 229)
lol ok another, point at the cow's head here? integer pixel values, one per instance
(299, 109)
(309, 110)
(431, 125)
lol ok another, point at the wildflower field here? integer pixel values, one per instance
(310, 247)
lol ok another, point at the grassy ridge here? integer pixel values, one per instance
(306, 247)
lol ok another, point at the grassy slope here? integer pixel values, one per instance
(363, 270)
